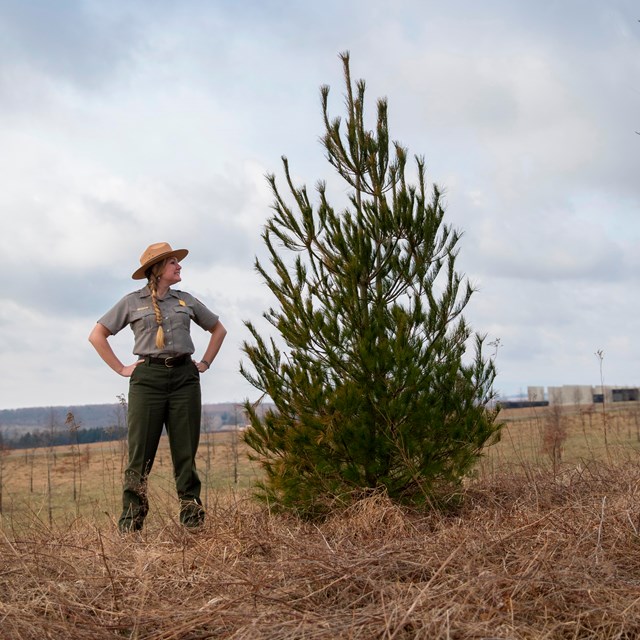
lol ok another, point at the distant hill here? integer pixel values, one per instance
(104, 416)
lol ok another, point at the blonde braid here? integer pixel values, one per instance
(155, 272)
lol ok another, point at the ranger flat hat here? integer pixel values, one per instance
(154, 253)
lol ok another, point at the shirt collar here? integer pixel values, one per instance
(145, 292)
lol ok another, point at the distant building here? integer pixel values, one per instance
(535, 394)
(584, 394)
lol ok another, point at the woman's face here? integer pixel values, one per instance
(170, 273)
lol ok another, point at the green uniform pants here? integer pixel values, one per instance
(163, 396)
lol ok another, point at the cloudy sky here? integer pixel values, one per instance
(125, 123)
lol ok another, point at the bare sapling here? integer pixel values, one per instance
(555, 435)
(76, 461)
(209, 448)
(600, 355)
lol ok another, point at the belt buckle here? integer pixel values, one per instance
(166, 362)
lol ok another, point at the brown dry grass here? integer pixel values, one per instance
(532, 552)
(38, 484)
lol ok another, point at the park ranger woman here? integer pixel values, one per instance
(164, 383)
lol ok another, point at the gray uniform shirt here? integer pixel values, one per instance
(178, 310)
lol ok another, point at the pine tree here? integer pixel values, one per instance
(367, 370)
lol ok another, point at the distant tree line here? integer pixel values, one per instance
(85, 435)
(102, 416)
(39, 439)
(231, 418)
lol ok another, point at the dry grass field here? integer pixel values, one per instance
(545, 543)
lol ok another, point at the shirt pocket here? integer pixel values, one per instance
(143, 319)
(183, 315)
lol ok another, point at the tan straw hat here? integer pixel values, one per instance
(154, 253)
